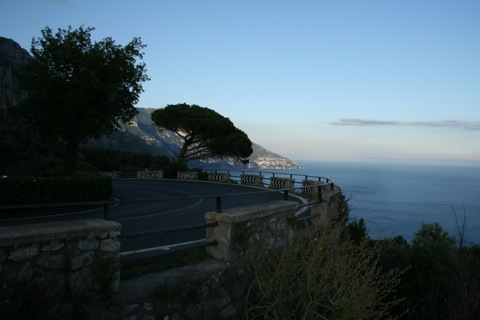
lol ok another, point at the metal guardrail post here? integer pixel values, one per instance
(285, 195)
(219, 204)
(105, 211)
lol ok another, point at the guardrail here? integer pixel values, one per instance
(236, 174)
(278, 181)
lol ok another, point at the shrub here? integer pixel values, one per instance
(319, 277)
(443, 281)
(171, 169)
(33, 190)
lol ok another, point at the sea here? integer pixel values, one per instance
(395, 199)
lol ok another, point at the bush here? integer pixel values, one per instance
(171, 169)
(34, 190)
(443, 281)
(319, 277)
(115, 160)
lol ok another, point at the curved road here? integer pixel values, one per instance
(143, 207)
(149, 205)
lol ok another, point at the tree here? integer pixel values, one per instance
(431, 281)
(205, 133)
(79, 89)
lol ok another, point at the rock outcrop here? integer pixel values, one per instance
(12, 56)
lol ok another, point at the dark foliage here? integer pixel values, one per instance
(126, 161)
(34, 190)
(442, 280)
(78, 88)
(205, 133)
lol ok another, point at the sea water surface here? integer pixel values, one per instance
(394, 199)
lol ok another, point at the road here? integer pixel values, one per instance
(143, 207)
(149, 205)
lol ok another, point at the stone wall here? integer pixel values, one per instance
(187, 175)
(55, 265)
(238, 228)
(150, 174)
(76, 263)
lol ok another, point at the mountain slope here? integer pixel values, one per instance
(140, 135)
(12, 56)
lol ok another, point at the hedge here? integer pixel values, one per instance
(38, 190)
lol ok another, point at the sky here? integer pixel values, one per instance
(345, 80)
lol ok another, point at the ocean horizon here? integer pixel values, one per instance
(395, 199)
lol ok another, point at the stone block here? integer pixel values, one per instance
(187, 175)
(26, 273)
(53, 245)
(150, 174)
(80, 282)
(81, 261)
(110, 245)
(51, 262)
(23, 253)
(88, 244)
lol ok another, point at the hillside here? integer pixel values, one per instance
(140, 135)
(11, 57)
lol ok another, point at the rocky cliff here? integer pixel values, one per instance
(141, 135)
(11, 57)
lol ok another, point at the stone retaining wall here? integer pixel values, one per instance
(187, 175)
(239, 227)
(150, 174)
(77, 263)
(55, 265)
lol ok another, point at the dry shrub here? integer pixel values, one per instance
(318, 276)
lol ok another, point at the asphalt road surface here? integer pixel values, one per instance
(150, 205)
(155, 206)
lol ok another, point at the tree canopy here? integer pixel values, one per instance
(205, 133)
(78, 88)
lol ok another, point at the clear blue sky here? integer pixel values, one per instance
(345, 80)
